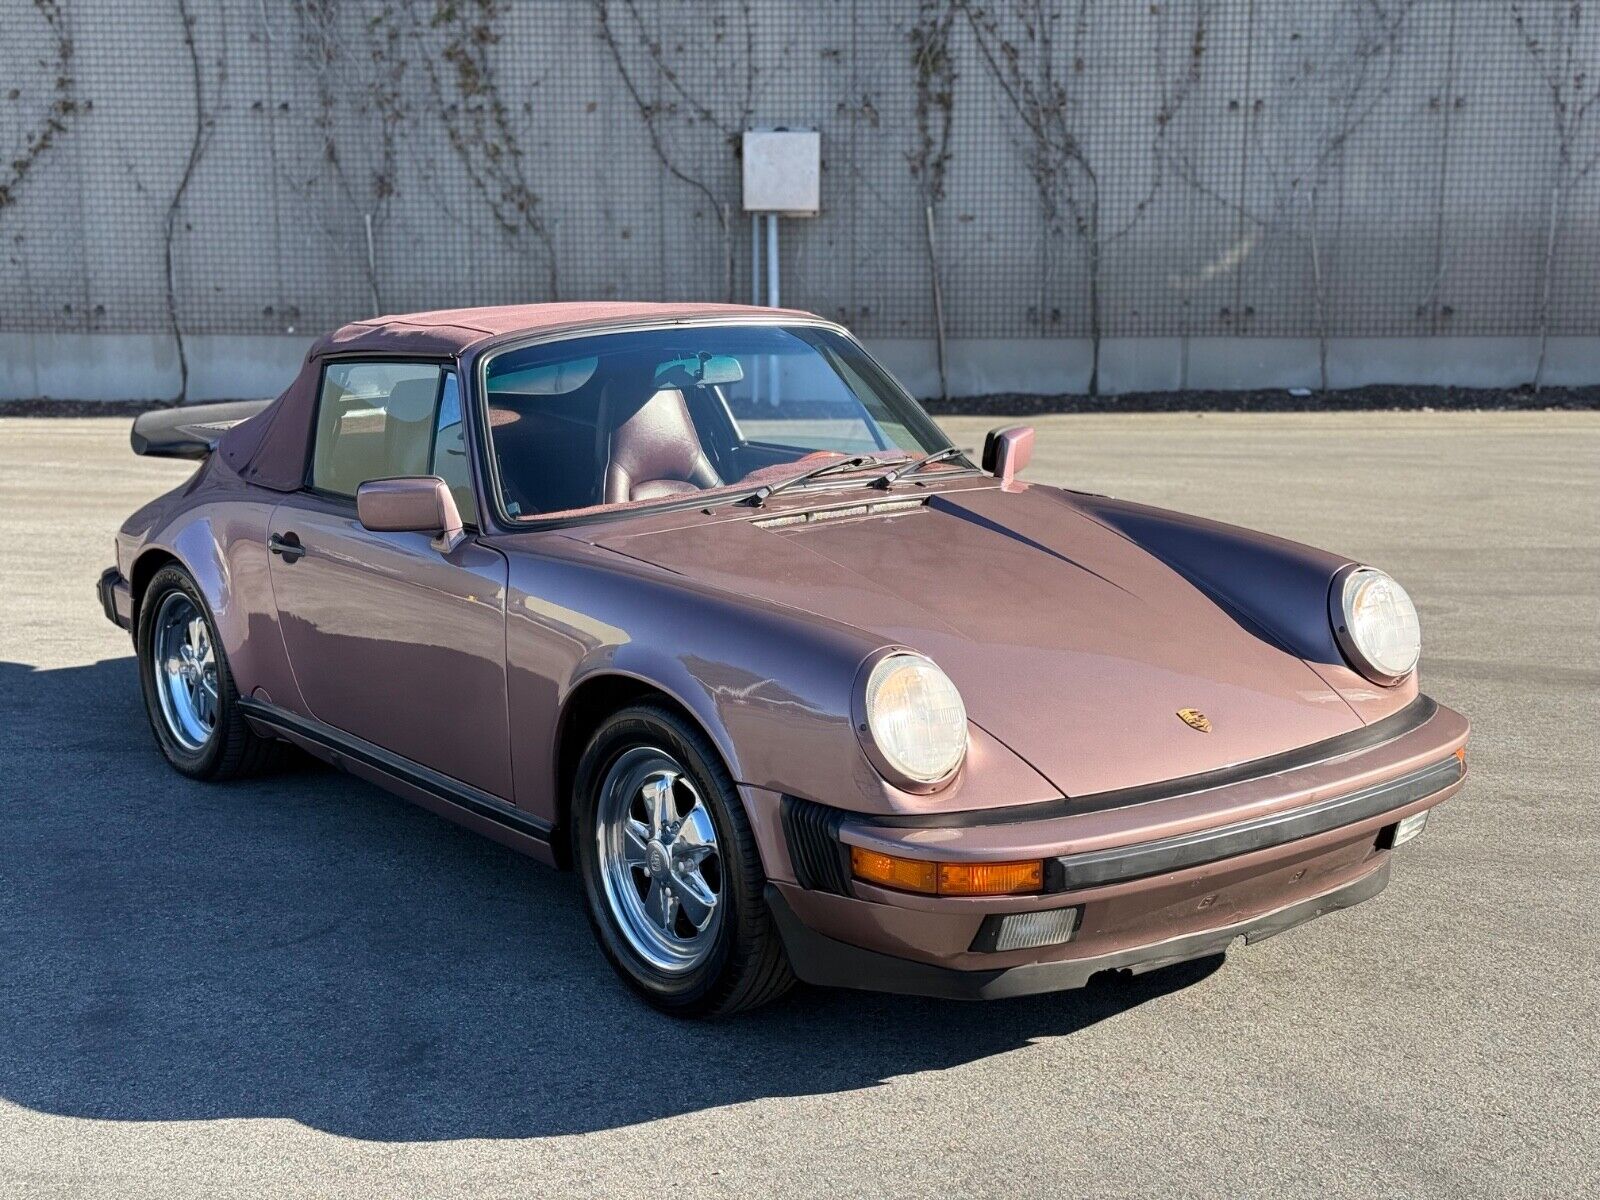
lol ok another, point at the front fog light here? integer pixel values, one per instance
(1403, 831)
(1410, 827)
(1026, 931)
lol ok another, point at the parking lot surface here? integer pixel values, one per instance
(299, 985)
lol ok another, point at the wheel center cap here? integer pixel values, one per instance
(656, 858)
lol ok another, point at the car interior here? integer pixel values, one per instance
(633, 429)
(629, 424)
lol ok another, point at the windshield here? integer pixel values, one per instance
(649, 415)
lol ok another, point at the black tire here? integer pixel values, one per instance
(233, 749)
(746, 966)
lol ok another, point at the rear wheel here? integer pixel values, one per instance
(671, 875)
(189, 692)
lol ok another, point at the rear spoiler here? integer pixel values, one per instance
(191, 431)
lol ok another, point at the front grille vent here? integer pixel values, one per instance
(819, 857)
(852, 512)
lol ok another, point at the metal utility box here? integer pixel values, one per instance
(783, 172)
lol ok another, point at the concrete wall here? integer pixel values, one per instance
(1211, 185)
(125, 366)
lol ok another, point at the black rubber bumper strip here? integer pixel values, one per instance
(1094, 867)
(819, 959)
(109, 578)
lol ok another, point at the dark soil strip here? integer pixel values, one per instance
(1377, 398)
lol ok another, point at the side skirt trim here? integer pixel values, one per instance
(441, 787)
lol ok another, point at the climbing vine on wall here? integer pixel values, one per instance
(662, 75)
(933, 67)
(480, 125)
(1561, 42)
(359, 72)
(201, 131)
(1326, 82)
(1042, 58)
(41, 132)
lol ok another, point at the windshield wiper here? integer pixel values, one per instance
(762, 494)
(913, 466)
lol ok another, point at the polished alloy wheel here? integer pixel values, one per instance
(659, 860)
(185, 671)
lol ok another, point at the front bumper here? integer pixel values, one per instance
(116, 598)
(1173, 873)
(819, 959)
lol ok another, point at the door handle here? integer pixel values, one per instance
(288, 545)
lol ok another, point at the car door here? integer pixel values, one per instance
(392, 640)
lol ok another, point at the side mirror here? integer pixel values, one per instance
(1007, 451)
(413, 504)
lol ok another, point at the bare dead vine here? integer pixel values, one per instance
(205, 124)
(479, 126)
(1048, 89)
(934, 71)
(1322, 100)
(364, 72)
(1570, 72)
(666, 103)
(57, 117)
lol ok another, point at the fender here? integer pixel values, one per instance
(772, 687)
(219, 537)
(1276, 586)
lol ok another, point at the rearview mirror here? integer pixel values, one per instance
(720, 368)
(1007, 450)
(412, 504)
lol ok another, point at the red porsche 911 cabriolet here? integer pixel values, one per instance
(697, 601)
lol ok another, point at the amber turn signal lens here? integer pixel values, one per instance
(947, 879)
(990, 879)
(906, 874)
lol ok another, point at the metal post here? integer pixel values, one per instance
(755, 258)
(772, 260)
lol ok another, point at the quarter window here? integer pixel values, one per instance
(381, 420)
(450, 450)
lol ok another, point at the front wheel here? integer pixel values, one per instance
(671, 875)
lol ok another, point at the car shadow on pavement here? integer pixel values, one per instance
(305, 946)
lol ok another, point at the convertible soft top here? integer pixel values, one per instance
(270, 449)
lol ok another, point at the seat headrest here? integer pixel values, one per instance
(412, 400)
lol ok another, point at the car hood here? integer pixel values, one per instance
(1070, 644)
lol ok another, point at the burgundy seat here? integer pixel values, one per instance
(648, 442)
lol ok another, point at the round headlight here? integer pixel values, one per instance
(1379, 624)
(915, 719)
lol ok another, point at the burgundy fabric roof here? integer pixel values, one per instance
(450, 331)
(270, 448)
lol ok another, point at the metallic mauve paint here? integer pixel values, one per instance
(1069, 643)
(1075, 627)
(396, 643)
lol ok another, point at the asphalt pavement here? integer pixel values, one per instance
(301, 986)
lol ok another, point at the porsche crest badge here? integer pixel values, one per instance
(1195, 719)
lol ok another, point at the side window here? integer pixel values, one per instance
(375, 420)
(450, 450)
